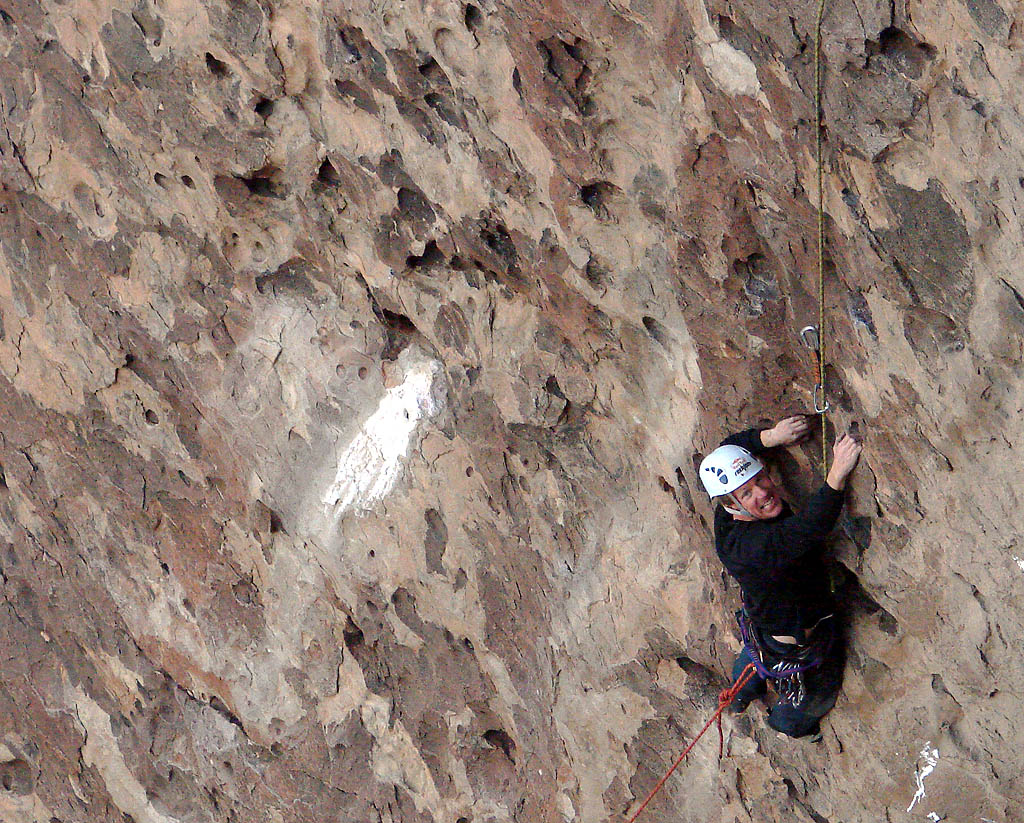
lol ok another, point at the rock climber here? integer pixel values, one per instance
(788, 618)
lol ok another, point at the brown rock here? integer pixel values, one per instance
(353, 362)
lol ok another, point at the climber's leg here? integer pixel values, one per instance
(807, 697)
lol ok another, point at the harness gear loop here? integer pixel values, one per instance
(725, 697)
(822, 408)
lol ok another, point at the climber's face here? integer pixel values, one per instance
(759, 497)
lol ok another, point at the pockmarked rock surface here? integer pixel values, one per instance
(355, 358)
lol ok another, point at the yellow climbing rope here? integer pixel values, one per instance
(822, 407)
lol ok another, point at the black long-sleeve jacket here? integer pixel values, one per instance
(779, 563)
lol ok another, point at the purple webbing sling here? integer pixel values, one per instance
(754, 652)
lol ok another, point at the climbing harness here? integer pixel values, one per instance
(725, 698)
(800, 660)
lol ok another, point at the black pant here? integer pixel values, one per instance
(804, 698)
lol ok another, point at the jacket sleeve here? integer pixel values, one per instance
(749, 440)
(775, 544)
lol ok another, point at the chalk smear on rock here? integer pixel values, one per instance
(928, 759)
(372, 461)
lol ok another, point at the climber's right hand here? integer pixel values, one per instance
(845, 454)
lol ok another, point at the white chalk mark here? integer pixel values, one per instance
(930, 758)
(1019, 561)
(370, 464)
(935, 817)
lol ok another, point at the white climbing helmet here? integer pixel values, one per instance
(727, 468)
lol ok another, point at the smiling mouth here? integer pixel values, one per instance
(768, 504)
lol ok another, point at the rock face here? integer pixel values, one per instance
(348, 353)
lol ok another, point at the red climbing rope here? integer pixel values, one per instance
(724, 699)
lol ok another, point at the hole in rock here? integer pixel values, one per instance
(160, 180)
(908, 54)
(264, 107)
(222, 709)
(16, 776)
(276, 526)
(352, 54)
(656, 330)
(432, 256)
(500, 740)
(517, 82)
(327, 174)
(894, 41)
(567, 62)
(576, 50)
(218, 68)
(188, 182)
(420, 120)
(596, 196)
(400, 330)
(858, 529)
(3, 478)
(596, 274)
(551, 387)
(697, 670)
(432, 70)
(352, 635)
(435, 541)
(360, 97)
(151, 417)
(260, 184)
(500, 242)
(473, 18)
(244, 591)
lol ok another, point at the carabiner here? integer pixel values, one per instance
(809, 337)
(822, 406)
